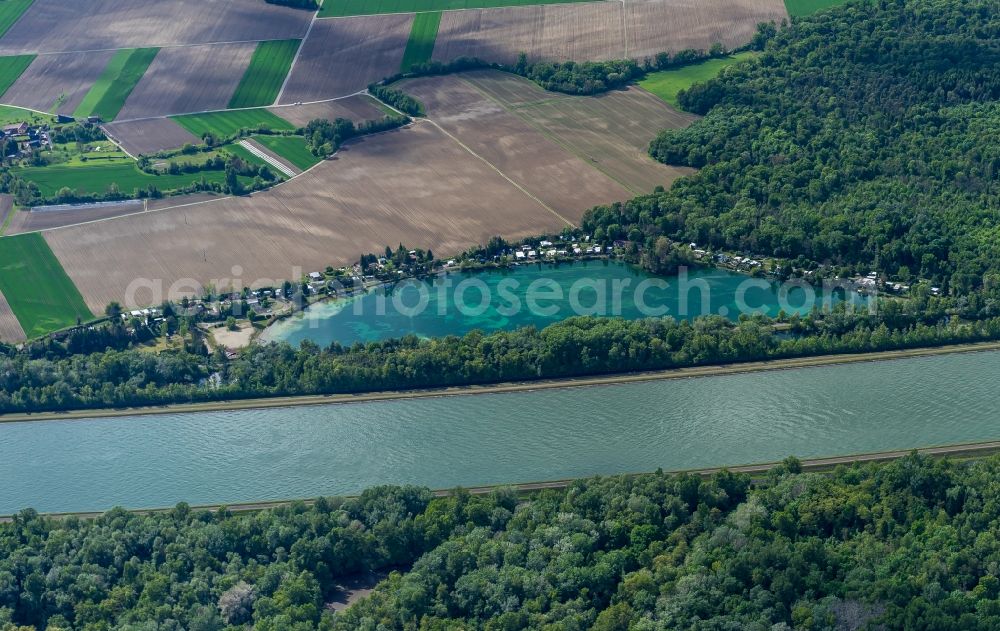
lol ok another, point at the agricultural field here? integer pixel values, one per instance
(97, 177)
(50, 26)
(262, 81)
(610, 132)
(800, 8)
(10, 115)
(420, 46)
(38, 291)
(578, 32)
(146, 137)
(667, 84)
(11, 68)
(564, 182)
(437, 196)
(343, 56)
(10, 329)
(358, 108)
(225, 124)
(108, 95)
(189, 79)
(345, 8)
(58, 83)
(656, 25)
(10, 12)
(290, 149)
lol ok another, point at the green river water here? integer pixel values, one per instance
(203, 458)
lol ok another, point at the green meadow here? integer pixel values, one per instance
(10, 11)
(96, 177)
(291, 148)
(420, 46)
(800, 8)
(107, 96)
(11, 68)
(41, 295)
(344, 8)
(667, 84)
(267, 71)
(225, 124)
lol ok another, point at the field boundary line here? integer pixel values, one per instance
(105, 50)
(625, 27)
(549, 135)
(233, 109)
(298, 52)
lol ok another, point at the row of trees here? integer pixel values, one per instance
(35, 379)
(325, 137)
(904, 545)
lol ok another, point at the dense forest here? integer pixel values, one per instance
(864, 135)
(907, 545)
(45, 376)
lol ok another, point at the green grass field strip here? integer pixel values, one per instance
(97, 177)
(225, 124)
(420, 46)
(344, 8)
(292, 148)
(10, 114)
(267, 71)
(107, 96)
(41, 295)
(10, 12)
(800, 8)
(666, 84)
(241, 153)
(11, 68)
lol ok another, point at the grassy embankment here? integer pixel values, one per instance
(667, 84)
(344, 8)
(420, 46)
(263, 78)
(41, 295)
(107, 96)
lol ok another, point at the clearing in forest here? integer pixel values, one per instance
(667, 84)
(108, 95)
(11, 68)
(226, 124)
(799, 8)
(420, 46)
(262, 81)
(41, 295)
(344, 8)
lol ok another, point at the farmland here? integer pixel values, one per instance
(10, 12)
(146, 137)
(37, 289)
(10, 115)
(96, 177)
(581, 32)
(224, 124)
(50, 26)
(292, 149)
(108, 95)
(58, 83)
(10, 329)
(654, 25)
(666, 84)
(262, 81)
(344, 8)
(799, 8)
(358, 108)
(188, 79)
(11, 69)
(343, 56)
(420, 46)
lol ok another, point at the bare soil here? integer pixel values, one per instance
(10, 329)
(359, 108)
(65, 79)
(146, 137)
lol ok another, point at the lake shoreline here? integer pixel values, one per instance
(716, 370)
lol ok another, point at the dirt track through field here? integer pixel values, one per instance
(343, 56)
(578, 32)
(186, 80)
(57, 78)
(674, 25)
(359, 108)
(413, 186)
(82, 25)
(561, 180)
(146, 137)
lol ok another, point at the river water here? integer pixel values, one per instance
(217, 457)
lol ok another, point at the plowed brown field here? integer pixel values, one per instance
(358, 108)
(151, 135)
(49, 79)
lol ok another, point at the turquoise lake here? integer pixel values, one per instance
(538, 295)
(236, 456)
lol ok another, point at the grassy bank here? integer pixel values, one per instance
(500, 388)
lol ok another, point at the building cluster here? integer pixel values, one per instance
(27, 137)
